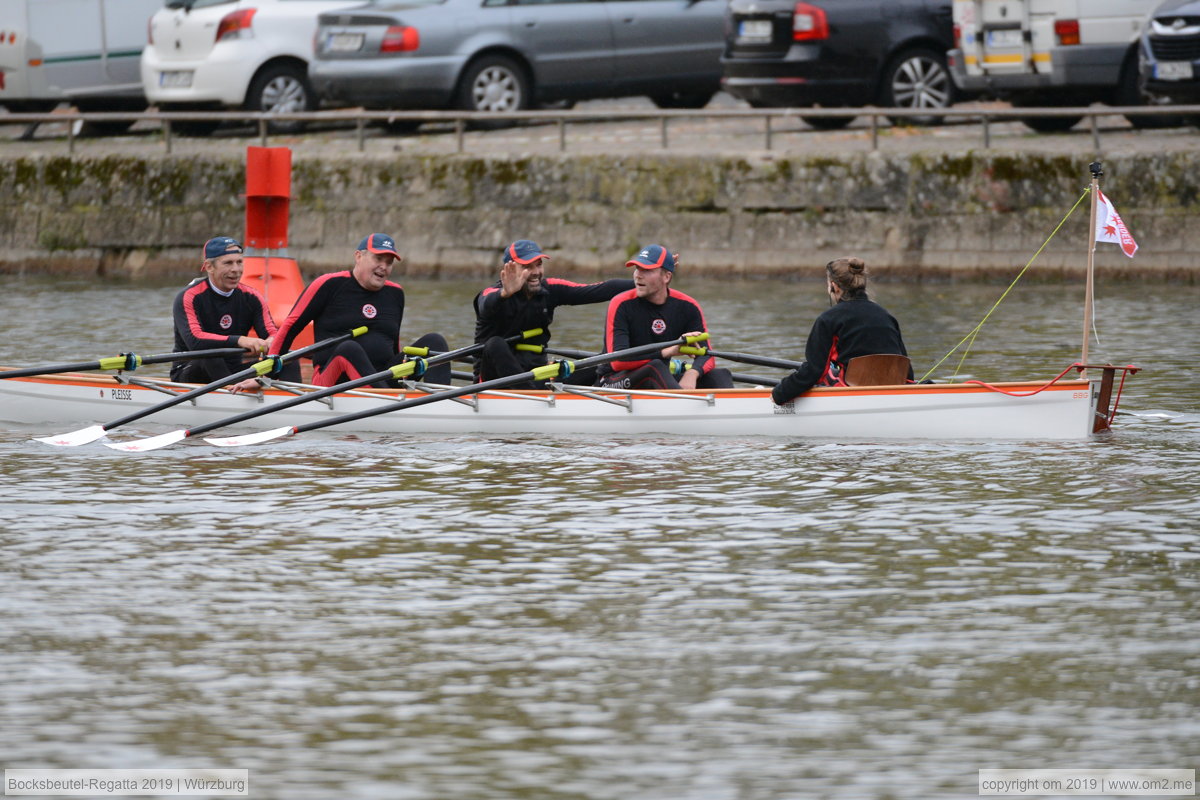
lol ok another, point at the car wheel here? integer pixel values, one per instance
(281, 89)
(496, 84)
(682, 99)
(917, 79)
(827, 123)
(1130, 93)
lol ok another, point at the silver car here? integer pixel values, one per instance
(509, 55)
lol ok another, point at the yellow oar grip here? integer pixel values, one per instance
(359, 331)
(120, 362)
(529, 334)
(693, 351)
(532, 348)
(404, 370)
(416, 351)
(699, 337)
(263, 367)
(548, 372)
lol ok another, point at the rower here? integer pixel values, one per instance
(524, 299)
(653, 312)
(364, 295)
(218, 310)
(854, 326)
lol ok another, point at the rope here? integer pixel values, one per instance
(1076, 366)
(969, 339)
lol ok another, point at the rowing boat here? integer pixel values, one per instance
(1028, 410)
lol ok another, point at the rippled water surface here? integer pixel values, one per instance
(615, 618)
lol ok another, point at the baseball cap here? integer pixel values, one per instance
(379, 243)
(653, 256)
(523, 251)
(219, 246)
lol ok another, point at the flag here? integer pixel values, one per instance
(1110, 228)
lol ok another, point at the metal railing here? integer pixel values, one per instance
(879, 118)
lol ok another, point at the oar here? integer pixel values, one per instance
(125, 361)
(747, 358)
(757, 380)
(264, 367)
(543, 373)
(397, 372)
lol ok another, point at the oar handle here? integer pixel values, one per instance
(748, 358)
(124, 361)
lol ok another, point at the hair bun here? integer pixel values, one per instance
(856, 264)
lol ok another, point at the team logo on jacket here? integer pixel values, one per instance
(369, 311)
(658, 326)
(226, 322)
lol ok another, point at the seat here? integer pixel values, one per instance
(883, 369)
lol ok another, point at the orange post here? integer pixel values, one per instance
(268, 267)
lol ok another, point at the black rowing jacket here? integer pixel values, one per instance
(204, 319)
(633, 322)
(509, 316)
(851, 328)
(336, 303)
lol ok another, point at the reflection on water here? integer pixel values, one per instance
(591, 617)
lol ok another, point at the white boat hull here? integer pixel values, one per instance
(1065, 410)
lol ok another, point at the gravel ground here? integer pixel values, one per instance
(1113, 135)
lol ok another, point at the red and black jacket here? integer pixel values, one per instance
(633, 321)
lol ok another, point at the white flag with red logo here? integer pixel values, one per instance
(1110, 228)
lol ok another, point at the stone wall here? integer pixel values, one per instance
(910, 216)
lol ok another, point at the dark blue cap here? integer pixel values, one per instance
(523, 251)
(379, 243)
(653, 256)
(220, 246)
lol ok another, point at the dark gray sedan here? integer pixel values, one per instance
(509, 55)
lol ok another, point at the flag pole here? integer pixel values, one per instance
(1091, 267)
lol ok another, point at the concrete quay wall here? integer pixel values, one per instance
(910, 216)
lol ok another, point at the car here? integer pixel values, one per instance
(232, 54)
(840, 54)
(510, 55)
(91, 64)
(1053, 53)
(1170, 51)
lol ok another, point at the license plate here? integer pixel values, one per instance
(344, 42)
(1007, 38)
(754, 30)
(179, 79)
(1173, 70)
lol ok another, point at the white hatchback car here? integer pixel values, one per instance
(219, 54)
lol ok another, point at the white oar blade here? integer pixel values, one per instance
(149, 443)
(250, 438)
(74, 438)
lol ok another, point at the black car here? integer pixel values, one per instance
(840, 53)
(1170, 54)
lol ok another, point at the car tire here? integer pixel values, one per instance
(107, 128)
(917, 79)
(494, 83)
(827, 123)
(1130, 93)
(281, 88)
(698, 99)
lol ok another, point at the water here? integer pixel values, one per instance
(605, 618)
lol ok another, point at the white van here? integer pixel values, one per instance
(1051, 53)
(82, 52)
